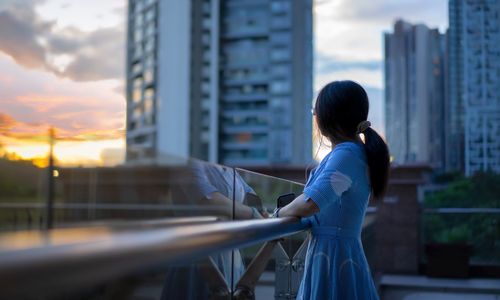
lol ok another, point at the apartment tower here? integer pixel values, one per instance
(227, 81)
(415, 94)
(473, 124)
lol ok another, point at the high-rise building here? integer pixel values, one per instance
(414, 94)
(225, 81)
(473, 83)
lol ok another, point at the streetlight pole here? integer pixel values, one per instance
(49, 213)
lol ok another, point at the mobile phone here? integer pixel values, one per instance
(285, 199)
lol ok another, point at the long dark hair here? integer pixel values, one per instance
(339, 109)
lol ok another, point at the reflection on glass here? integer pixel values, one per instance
(225, 189)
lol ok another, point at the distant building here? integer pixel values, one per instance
(224, 81)
(414, 94)
(473, 142)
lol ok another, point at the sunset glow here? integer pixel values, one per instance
(86, 153)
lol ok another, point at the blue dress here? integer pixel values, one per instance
(336, 266)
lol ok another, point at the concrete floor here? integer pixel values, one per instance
(406, 287)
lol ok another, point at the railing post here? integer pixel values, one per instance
(297, 270)
(282, 271)
(289, 271)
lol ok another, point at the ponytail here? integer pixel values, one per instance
(377, 154)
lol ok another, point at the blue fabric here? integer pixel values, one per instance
(336, 266)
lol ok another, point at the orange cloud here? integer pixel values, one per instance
(6, 122)
(41, 103)
(11, 128)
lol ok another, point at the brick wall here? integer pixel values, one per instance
(397, 225)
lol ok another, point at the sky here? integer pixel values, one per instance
(62, 65)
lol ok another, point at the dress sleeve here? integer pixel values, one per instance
(333, 180)
(200, 182)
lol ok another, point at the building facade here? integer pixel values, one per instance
(227, 81)
(415, 94)
(474, 94)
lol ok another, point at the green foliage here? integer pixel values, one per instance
(12, 189)
(18, 179)
(482, 231)
(480, 190)
(458, 234)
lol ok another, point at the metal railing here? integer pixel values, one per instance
(44, 263)
(477, 227)
(462, 210)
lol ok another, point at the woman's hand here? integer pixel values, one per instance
(299, 207)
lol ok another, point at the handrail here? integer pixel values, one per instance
(113, 206)
(57, 261)
(119, 224)
(462, 210)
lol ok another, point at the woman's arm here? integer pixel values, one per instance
(241, 211)
(299, 207)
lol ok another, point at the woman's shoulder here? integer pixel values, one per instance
(347, 152)
(351, 146)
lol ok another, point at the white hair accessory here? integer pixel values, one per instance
(363, 125)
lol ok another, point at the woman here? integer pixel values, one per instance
(336, 196)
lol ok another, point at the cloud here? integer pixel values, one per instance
(119, 89)
(432, 12)
(327, 64)
(38, 132)
(100, 56)
(19, 38)
(6, 122)
(38, 44)
(32, 101)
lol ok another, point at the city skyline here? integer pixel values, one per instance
(77, 88)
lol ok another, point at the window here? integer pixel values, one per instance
(277, 102)
(150, 15)
(148, 76)
(138, 35)
(280, 7)
(136, 95)
(281, 22)
(136, 112)
(150, 44)
(281, 38)
(148, 105)
(136, 68)
(281, 70)
(137, 51)
(149, 61)
(280, 54)
(150, 30)
(149, 93)
(138, 21)
(138, 6)
(280, 87)
(137, 82)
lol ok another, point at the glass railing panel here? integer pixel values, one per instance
(153, 188)
(274, 268)
(23, 193)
